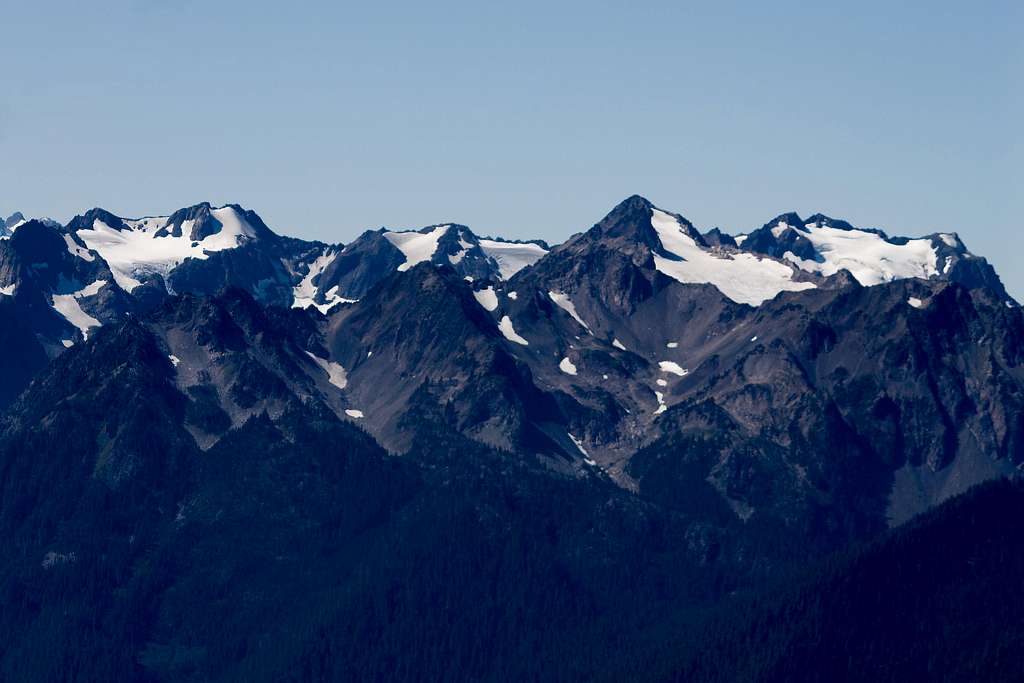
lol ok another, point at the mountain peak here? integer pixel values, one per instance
(829, 222)
(633, 202)
(790, 218)
(629, 224)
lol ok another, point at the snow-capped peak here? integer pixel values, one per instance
(742, 277)
(452, 244)
(868, 255)
(136, 248)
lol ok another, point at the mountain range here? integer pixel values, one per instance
(427, 454)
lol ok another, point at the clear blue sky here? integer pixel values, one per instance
(524, 119)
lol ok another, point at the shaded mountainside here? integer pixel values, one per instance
(227, 454)
(295, 548)
(932, 600)
(283, 547)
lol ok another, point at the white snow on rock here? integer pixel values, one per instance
(303, 294)
(513, 295)
(174, 360)
(661, 403)
(950, 240)
(416, 246)
(512, 257)
(487, 298)
(455, 259)
(915, 302)
(357, 414)
(744, 278)
(563, 302)
(617, 344)
(67, 305)
(335, 373)
(91, 289)
(661, 382)
(9, 289)
(867, 255)
(673, 367)
(67, 343)
(76, 250)
(566, 366)
(137, 250)
(672, 345)
(578, 444)
(754, 338)
(505, 325)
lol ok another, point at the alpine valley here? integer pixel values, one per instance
(648, 453)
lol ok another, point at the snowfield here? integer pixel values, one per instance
(512, 258)
(744, 278)
(416, 246)
(870, 258)
(138, 251)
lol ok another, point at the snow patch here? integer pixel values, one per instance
(743, 277)
(915, 302)
(505, 325)
(487, 298)
(416, 246)
(513, 295)
(578, 444)
(510, 257)
(76, 250)
(91, 289)
(672, 345)
(566, 366)
(617, 344)
(357, 414)
(67, 343)
(661, 403)
(673, 367)
(304, 293)
(174, 360)
(9, 289)
(67, 305)
(335, 373)
(563, 302)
